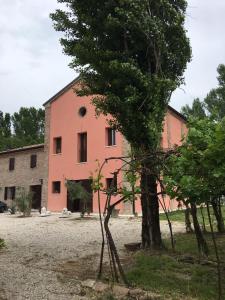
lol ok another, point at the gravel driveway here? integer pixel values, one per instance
(44, 256)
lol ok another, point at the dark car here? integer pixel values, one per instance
(3, 207)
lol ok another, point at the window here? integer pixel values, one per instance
(110, 137)
(82, 111)
(111, 183)
(10, 193)
(33, 161)
(57, 145)
(11, 164)
(82, 147)
(56, 187)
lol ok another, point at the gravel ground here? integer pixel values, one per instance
(45, 256)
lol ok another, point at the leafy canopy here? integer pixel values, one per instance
(213, 104)
(130, 53)
(196, 111)
(197, 172)
(23, 128)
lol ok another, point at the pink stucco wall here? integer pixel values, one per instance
(65, 122)
(174, 130)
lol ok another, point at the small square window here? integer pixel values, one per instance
(57, 145)
(111, 183)
(33, 161)
(11, 164)
(110, 137)
(10, 193)
(56, 187)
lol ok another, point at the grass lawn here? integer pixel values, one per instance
(178, 215)
(2, 243)
(172, 276)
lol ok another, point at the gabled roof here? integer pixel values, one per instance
(177, 113)
(68, 86)
(62, 91)
(26, 148)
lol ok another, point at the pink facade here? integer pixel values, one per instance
(65, 123)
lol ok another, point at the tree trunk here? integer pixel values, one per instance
(203, 219)
(218, 215)
(187, 220)
(151, 235)
(202, 245)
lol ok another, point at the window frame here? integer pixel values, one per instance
(56, 189)
(12, 161)
(110, 180)
(110, 137)
(10, 190)
(57, 148)
(82, 147)
(33, 161)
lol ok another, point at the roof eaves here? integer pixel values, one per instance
(177, 113)
(62, 91)
(25, 148)
(68, 86)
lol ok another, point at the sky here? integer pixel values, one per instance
(33, 67)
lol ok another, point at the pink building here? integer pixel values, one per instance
(75, 139)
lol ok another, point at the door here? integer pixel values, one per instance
(78, 205)
(36, 196)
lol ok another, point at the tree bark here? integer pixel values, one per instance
(220, 290)
(218, 215)
(202, 245)
(151, 235)
(187, 220)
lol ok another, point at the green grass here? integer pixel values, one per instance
(178, 216)
(166, 274)
(2, 243)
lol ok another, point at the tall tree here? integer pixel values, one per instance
(5, 131)
(213, 104)
(132, 54)
(5, 125)
(196, 111)
(215, 100)
(28, 126)
(23, 128)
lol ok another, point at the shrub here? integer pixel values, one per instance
(24, 201)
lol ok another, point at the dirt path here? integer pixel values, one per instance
(45, 256)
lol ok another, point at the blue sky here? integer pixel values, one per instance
(33, 67)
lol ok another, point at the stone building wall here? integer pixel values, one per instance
(23, 175)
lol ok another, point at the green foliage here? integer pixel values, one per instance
(96, 178)
(24, 201)
(213, 104)
(215, 100)
(196, 111)
(168, 275)
(133, 53)
(21, 129)
(77, 191)
(2, 243)
(178, 216)
(196, 172)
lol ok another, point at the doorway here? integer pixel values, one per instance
(78, 204)
(36, 196)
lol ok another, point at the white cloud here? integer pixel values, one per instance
(206, 28)
(33, 68)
